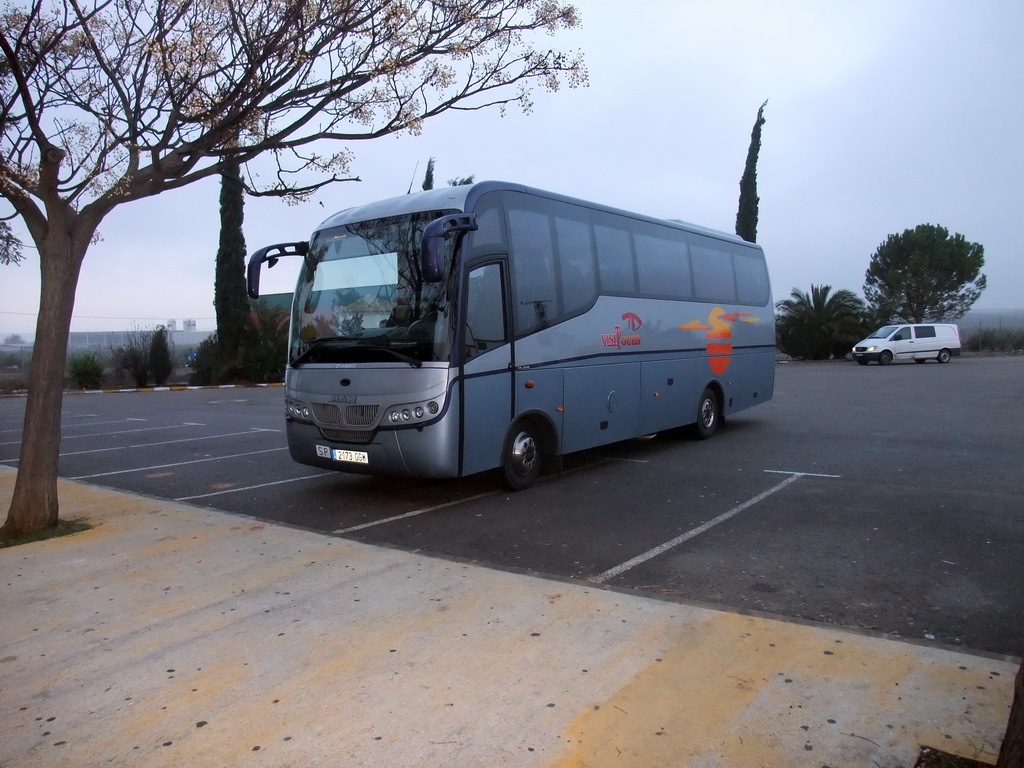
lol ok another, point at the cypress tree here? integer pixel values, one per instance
(160, 365)
(229, 294)
(746, 216)
(428, 177)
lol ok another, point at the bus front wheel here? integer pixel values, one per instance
(521, 458)
(708, 414)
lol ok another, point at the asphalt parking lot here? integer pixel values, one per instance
(887, 499)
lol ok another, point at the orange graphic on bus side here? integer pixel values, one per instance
(719, 336)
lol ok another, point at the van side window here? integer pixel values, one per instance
(925, 332)
(903, 334)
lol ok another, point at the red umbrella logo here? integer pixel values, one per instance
(719, 335)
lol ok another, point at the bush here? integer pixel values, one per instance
(996, 340)
(207, 367)
(265, 345)
(86, 371)
(260, 357)
(160, 366)
(132, 359)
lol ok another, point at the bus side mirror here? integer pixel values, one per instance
(432, 247)
(269, 254)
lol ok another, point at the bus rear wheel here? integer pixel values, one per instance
(708, 414)
(521, 457)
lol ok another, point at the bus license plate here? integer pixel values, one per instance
(357, 457)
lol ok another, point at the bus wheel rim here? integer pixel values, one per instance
(707, 412)
(524, 453)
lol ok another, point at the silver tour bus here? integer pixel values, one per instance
(492, 325)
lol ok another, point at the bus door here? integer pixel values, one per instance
(485, 383)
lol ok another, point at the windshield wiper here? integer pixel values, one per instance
(314, 345)
(402, 356)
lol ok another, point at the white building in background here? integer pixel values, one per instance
(189, 338)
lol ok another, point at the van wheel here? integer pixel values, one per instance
(885, 357)
(944, 356)
(862, 362)
(708, 414)
(521, 457)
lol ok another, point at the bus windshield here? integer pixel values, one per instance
(360, 297)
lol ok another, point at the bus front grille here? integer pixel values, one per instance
(329, 414)
(359, 436)
(361, 415)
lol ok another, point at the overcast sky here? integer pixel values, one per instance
(882, 115)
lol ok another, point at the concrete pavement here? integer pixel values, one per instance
(170, 635)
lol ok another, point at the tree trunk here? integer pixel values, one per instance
(34, 505)
(1011, 755)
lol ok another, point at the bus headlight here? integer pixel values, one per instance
(413, 412)
(296, 410)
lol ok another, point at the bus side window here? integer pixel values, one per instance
(534, 258)
(713, 276)
(751, 278)
(662, 262)
(485, 311)
(576, 260)
(489, 237)
(615, 260)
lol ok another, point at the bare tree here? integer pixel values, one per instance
(103, 102)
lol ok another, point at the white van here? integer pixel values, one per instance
(930, 341)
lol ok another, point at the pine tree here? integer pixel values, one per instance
(925, 275)
(746, 216)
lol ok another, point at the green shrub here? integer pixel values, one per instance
(160, 366)
(996, 340)
(86, 371)
(132, 360)
(265, 345)
(259, 357)
(207, 366)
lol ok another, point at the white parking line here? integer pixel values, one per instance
(416, 512)
(66, 425)
(120, 432)
(176, 464)
(662, 548)
(252, 431)
(254, 487)
(802, 474)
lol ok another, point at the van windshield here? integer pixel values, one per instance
(883, 332)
